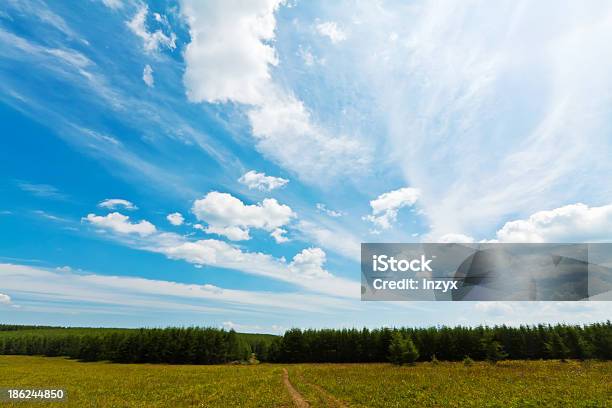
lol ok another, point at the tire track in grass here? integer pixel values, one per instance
(332, 401)
(298, 400)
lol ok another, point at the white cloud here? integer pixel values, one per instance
(279, 235)
(333, 238)
(331, 30)
(332, 213)
(48, 287)
(40, 10)
(285, 132)
(570, 223)
(228, 56)
(147, 76)
(120, 223)
(227, 215)
(113, 203)
(229, 59)
(482, 116)
(42, 190)
(152, 40)
(48, 216)
(386, 206)
(113, 4)
(309, 263)
(242, 328)
(305, 270)
(254, 180)
(5, 299)
(231, 233)
(175, 218)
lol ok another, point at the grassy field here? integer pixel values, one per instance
(146, 385)
(507, 384)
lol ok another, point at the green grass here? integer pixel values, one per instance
(145, 385)
(507, 384)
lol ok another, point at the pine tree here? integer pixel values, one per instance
(411, 354)
(493, 349)
(402, 350)
(397, 348)
(555, 347)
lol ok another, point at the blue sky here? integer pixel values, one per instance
(219, 162)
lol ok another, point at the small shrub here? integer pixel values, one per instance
(253, 359)
(467, 361)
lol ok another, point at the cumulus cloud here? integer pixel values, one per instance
(175, 218)
(152, 40)
(5, 299)
(120, 224)
(309, 263)
(229, 59)
(331, 30)
(305, 270)
(570, 223)
(147, 76)
(259, 181)
(229, 216)
(387, 205)
(113, 203)
(229, 53)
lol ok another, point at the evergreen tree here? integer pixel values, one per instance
(493, 349)
(411, 354)
(555, 347)
(402, 350)
(397, 348)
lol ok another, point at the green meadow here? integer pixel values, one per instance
(453, 384)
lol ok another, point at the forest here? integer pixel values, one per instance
(194, 345)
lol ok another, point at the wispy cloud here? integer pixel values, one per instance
(42, 190)
(45, 286)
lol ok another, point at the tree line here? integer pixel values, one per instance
(443, 343)
(171, 345)
(399, 345)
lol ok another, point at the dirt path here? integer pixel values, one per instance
(298, 400)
